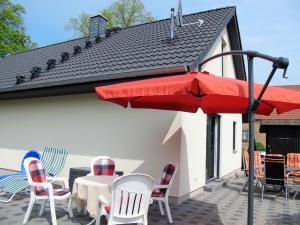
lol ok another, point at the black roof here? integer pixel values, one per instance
(127, 53)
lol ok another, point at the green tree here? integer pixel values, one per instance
(80, 24)
(121, 13)
(12, 31)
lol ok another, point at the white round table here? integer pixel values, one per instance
(87, 189)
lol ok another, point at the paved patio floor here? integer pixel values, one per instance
(228, 207)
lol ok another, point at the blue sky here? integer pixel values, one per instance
(267, 26)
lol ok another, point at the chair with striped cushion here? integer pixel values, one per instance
(53, 160)
(258, 168)
(161, 191)
(12, 184)
(102, 165)
(131, 196)
(293, 180)
(40, 189)
(245, 161)
(293, 161)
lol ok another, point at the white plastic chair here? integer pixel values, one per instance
(43, 190)
(131, 196)
(161, 191)
(107, 161)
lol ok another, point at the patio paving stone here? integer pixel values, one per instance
(226, 207)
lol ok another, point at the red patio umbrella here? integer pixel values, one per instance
(188, 92)
(212, 94)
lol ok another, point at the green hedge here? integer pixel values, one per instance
(260, 147)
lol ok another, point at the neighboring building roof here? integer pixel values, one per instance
(129, 53)
(288, 118)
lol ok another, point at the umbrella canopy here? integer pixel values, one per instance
(188, 92)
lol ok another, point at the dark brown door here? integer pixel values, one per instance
(212, 147)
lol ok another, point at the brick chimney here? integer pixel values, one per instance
(97, 27)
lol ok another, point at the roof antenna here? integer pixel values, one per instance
(172, 23)
(179, 16)
(180, 21)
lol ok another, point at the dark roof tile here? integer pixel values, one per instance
(135, 48)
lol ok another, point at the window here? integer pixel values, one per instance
(245, 135)
(233, 135)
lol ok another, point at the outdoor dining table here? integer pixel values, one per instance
(87, 189)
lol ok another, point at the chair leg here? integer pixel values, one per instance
(28, 212)
(296, 192)
(98, 219)
(245, 185)
(161, 208)
(145, 222)
(256, 184)
(70, 210)
(8, 199)
(98, 214)
(52, 209)
(168, 211)
(43, 207)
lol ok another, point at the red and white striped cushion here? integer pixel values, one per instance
(38, 175)
(104, 167)
(166, 177)
(293, 160)
(157, 193)
(107, 208)
(56, 192)
(167, 174)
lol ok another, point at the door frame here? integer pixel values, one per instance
(216, 145)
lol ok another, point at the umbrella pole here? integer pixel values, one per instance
(251, 118)
(278, 63)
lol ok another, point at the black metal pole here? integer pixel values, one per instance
(251, 116)
(257, 101)
(278, 63)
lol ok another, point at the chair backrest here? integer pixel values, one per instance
(168, 175)
(35, 173)
(257, 159)
(102, 165)
(29, 154)
(246, 162)
(131, 196)
(275, 169)
(54, 160)
(257, 162)
(293, 160)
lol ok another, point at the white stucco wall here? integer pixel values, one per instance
(230, 160)
(139, 140)
(193, 137)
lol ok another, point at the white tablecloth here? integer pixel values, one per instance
(87, 189)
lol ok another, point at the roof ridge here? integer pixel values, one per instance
(190, 14)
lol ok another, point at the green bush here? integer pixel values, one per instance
(260, 147)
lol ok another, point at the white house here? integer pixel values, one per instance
(47, 98)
